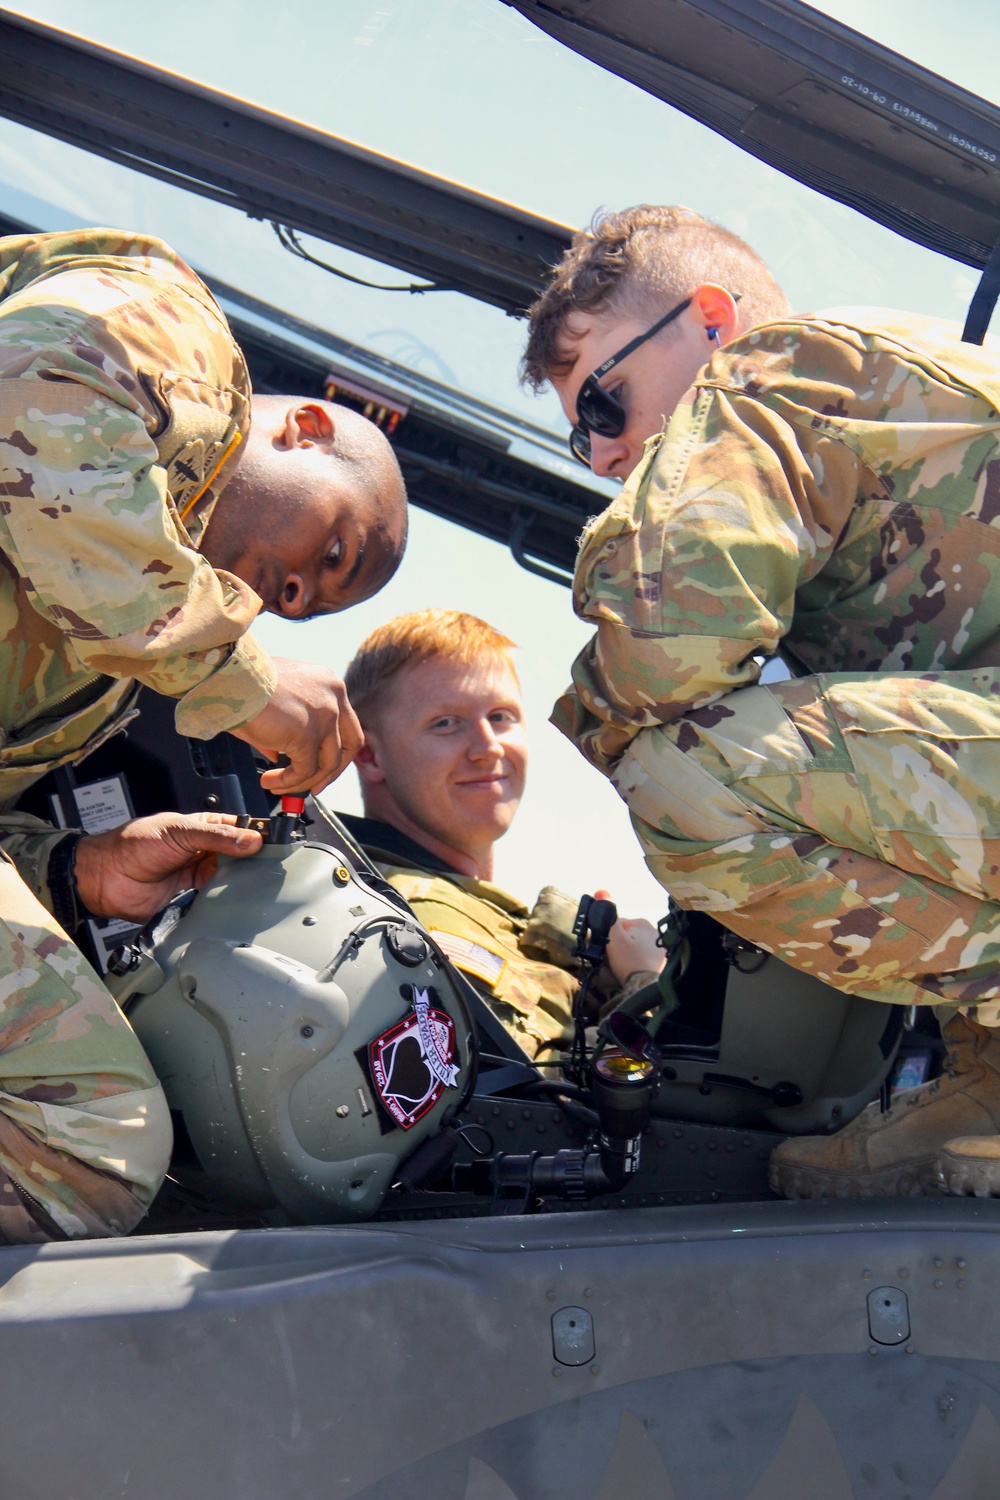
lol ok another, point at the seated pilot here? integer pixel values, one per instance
(442, 771)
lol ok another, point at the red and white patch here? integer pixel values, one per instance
(413, 1062)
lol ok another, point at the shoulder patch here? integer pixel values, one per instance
(410, 887)
(471, 957)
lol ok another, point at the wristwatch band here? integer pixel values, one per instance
(67, 906)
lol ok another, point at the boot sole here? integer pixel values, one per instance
(912, 1179)
(963, 1177)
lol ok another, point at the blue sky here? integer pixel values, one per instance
(469, 90)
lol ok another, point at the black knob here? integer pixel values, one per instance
(123, 960)
(407, 946)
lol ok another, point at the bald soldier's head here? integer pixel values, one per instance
(314, 518)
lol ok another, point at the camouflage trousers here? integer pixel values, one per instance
(84, 1128)
(849, 824)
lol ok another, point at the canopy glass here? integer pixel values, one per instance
(469, 90)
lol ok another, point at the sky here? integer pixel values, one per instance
(468, 89)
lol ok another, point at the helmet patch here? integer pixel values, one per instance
(413, 1062)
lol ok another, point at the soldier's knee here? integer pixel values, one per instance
(133, 1138)
(81, 1173)
(681, 793)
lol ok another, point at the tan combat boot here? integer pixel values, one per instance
(970, 1166)
(902, 1153)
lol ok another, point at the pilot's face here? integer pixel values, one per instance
(649, 382)
(449, 748)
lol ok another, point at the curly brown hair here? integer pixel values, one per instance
(638, 261)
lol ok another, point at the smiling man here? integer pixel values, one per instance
(149, 508)
(442, 773)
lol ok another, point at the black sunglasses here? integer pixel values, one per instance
(597, 410)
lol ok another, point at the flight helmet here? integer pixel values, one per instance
(308, 1033)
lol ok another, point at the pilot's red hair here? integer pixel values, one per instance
(411, 639)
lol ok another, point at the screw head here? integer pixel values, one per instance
(309, 921)
(306, 1031)
(342, 1111)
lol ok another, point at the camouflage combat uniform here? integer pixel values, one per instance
(829, 490)
(123, 405)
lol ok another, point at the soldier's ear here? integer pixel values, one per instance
(715, 308)
(368, 765)
(306, 424)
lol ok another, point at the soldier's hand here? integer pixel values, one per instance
(133, 871)
(309, 719)
(632, 946)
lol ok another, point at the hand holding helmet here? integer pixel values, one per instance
(135, 870)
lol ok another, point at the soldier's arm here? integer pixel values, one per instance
(692, 573)
(29, 843)
(83, 520)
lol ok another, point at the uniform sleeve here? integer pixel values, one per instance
(693, 571)
(29, 842)
(84, 520)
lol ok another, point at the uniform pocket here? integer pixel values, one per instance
(676, 793)
(24, 761)
(925, 753)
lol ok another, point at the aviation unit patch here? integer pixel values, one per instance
(412, 1063)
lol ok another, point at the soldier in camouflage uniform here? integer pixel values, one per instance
(442, 772)
(824, 488)
(134, 550)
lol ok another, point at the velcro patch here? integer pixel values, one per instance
(413, 1062)
(471, 957)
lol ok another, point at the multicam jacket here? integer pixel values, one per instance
(828, 490)
(123, 405)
